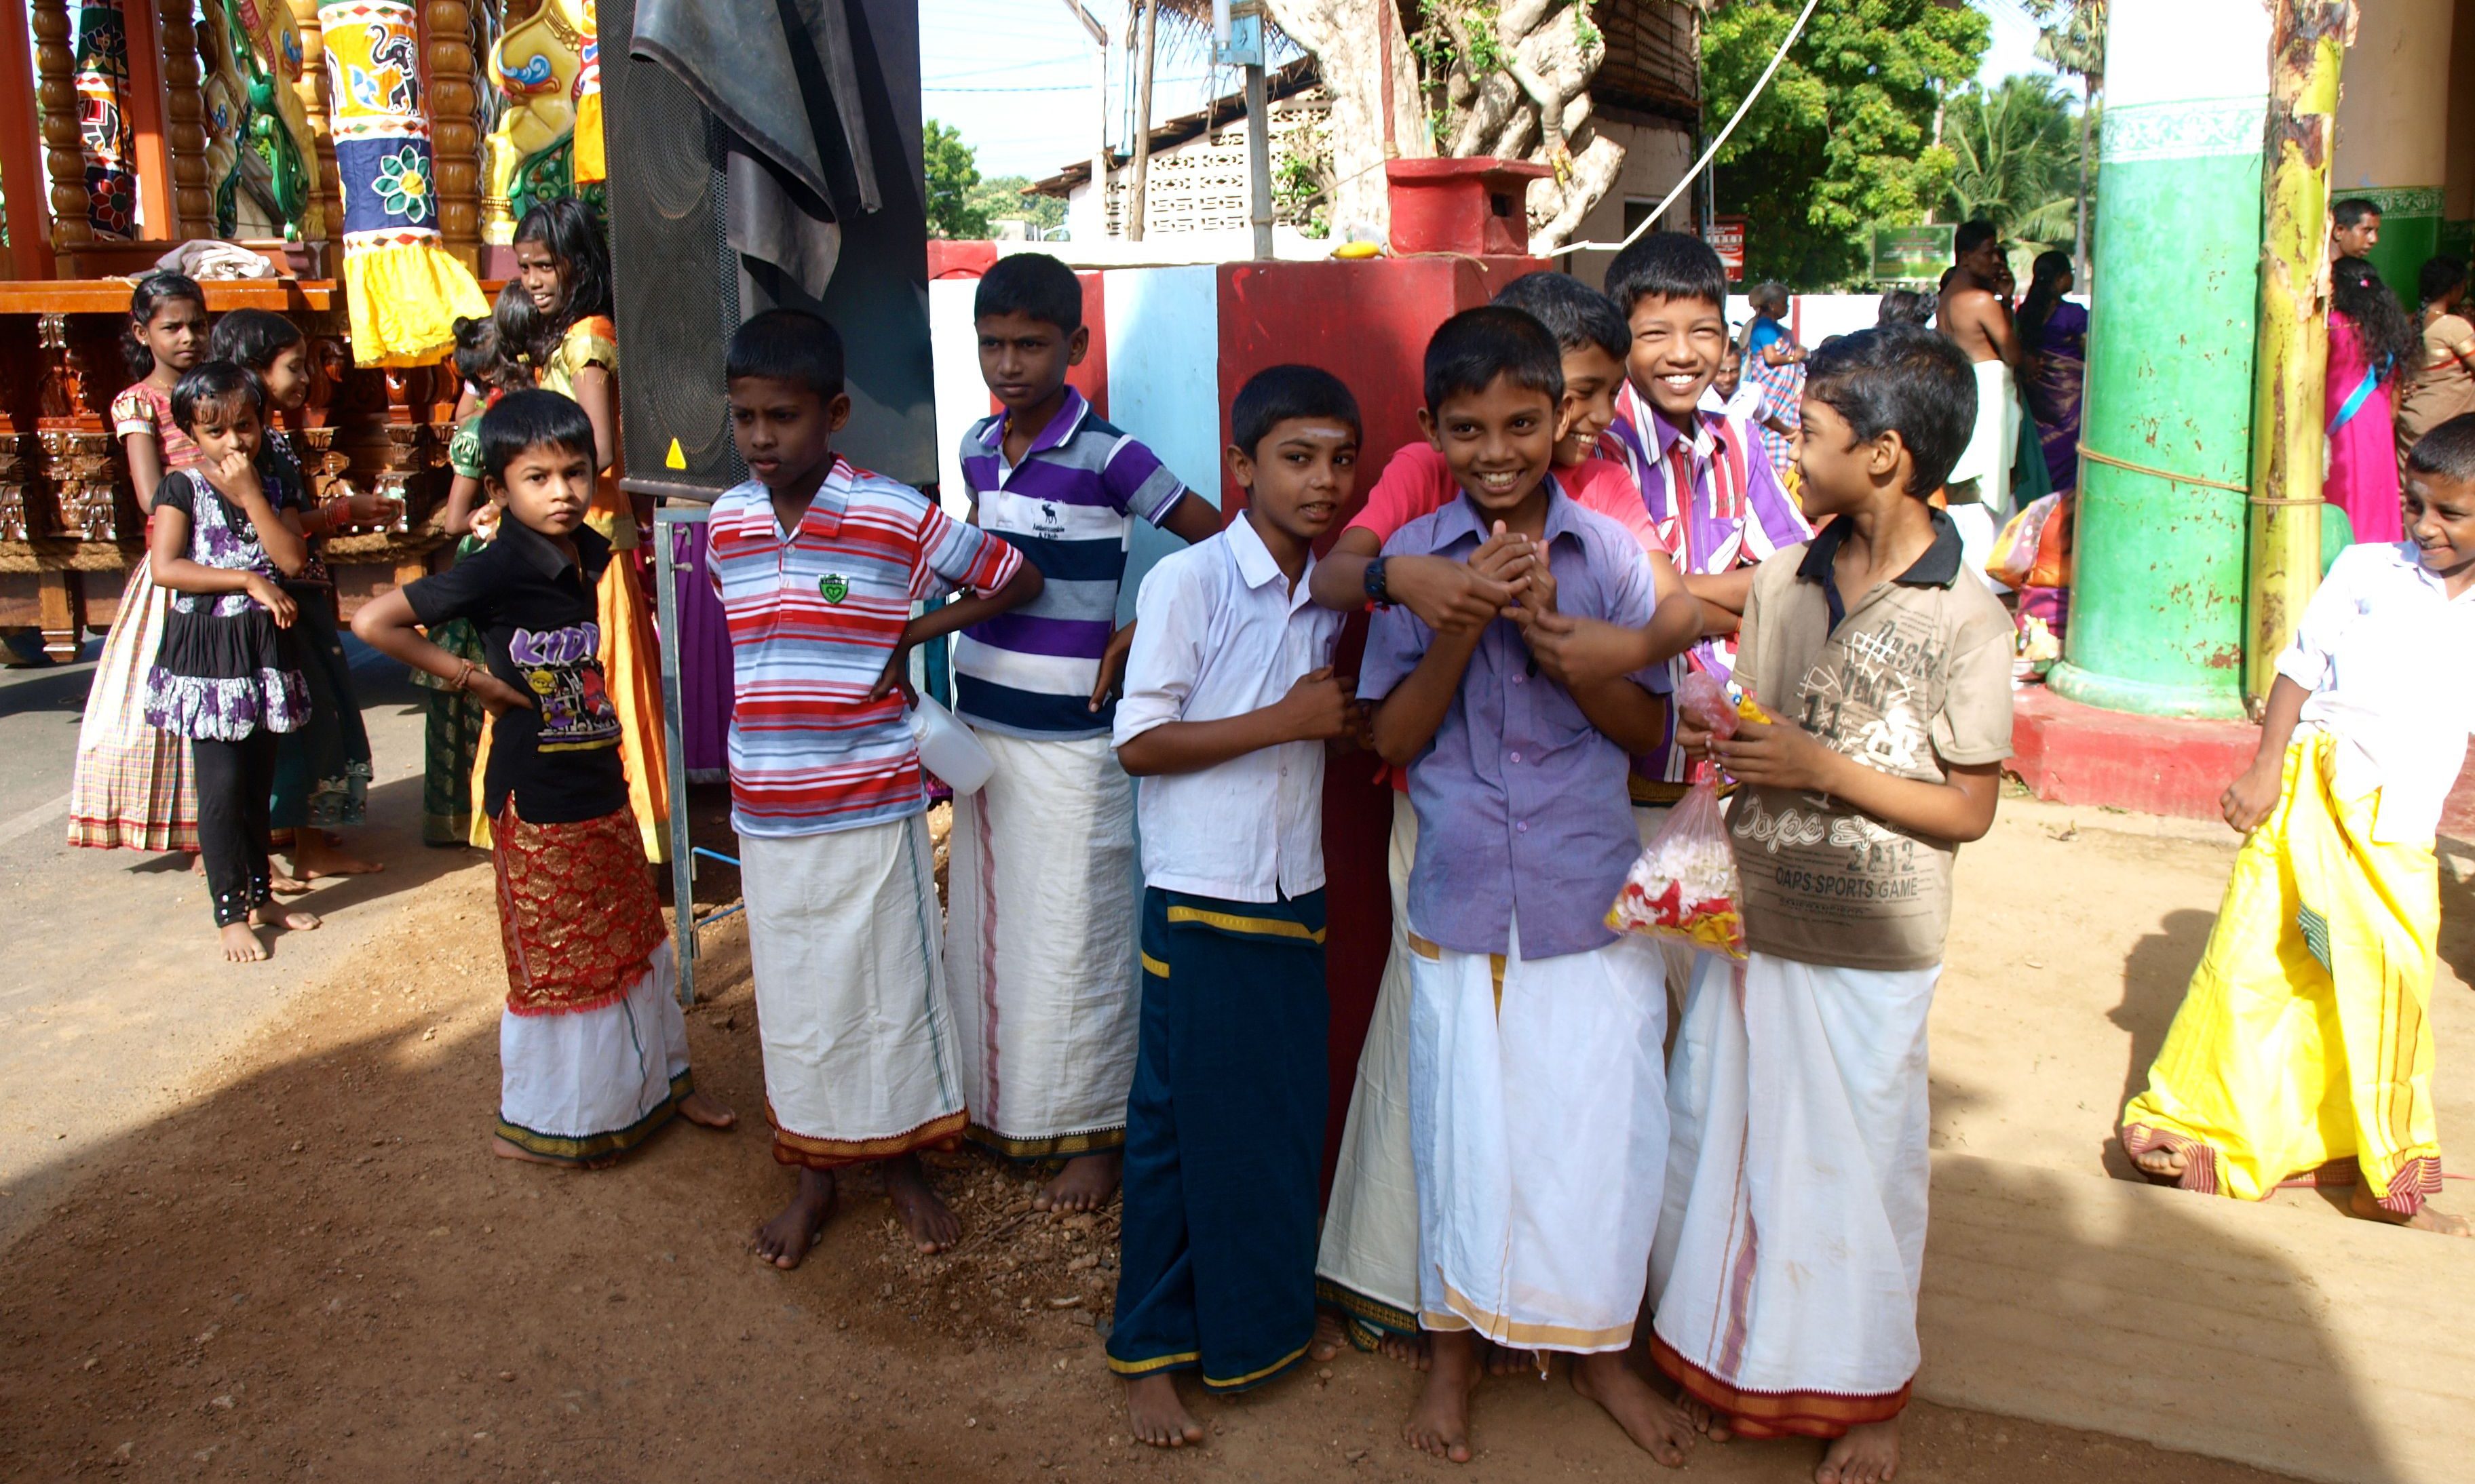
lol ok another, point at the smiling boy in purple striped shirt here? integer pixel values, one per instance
(1039, 936)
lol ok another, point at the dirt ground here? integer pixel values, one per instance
(310, 1267)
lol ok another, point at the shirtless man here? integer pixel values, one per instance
(1976, 319)
(2354, 228)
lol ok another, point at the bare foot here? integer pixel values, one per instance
(2365, 1204)
(707, 1112)
(1329, 1336)
(785, 1240)
(2160, 1164)
(1504, 1360)
(1656, 1425)
(1157, 1416)
(1868, 1454)
(1706, 1419)
(1409, 1349)
(1084, 1184)
(916, 1206)
(1439, 1424)
(316, 856)
(241, 944)
(285, 886)
(290, 922)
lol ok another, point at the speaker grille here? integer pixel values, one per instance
(666, 238)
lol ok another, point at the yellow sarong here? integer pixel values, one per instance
(2305, 1038)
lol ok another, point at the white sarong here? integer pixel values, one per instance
(589, 1084)
(1993, 444)
(1367, 1265)
(1538, 1113)
(850, 995)
(1785, 1274)
(1040, 939)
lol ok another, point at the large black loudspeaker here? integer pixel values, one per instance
(678, 287)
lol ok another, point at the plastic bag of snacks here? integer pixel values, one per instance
(1684, 883)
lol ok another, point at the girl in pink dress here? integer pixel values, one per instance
(2371, 345)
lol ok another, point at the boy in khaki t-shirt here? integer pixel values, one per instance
(1785, 1277)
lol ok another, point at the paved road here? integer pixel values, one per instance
(113, 999)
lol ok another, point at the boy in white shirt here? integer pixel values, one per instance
(2304, 1044)
(1229, 701)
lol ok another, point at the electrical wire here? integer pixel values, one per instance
(1703, 163)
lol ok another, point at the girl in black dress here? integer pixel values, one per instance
(228, 674)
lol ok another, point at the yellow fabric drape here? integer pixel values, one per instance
(2305, 1038)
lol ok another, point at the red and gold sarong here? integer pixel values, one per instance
(576, 911)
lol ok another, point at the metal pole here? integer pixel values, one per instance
(2306, 43)
(667, 521)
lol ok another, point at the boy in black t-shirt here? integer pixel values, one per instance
(593, 1053)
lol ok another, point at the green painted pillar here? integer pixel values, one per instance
(2392, 136)
(2157, 590)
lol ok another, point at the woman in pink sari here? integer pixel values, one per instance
(2371, 345)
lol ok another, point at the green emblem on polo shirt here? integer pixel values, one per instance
(834, 586)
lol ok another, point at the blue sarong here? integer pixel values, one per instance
(1224, 1141)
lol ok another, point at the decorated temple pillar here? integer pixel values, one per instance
(312, 91)
(2392, 145)
(64, 144)
(455, 137)
(2157, 596)
(184, 123)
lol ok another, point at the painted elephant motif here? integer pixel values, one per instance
(538, 64)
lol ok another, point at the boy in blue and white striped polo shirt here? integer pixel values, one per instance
(1040, 935)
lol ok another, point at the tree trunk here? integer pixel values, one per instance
(1142, 143)
(2289, 377)
(1348, 39)
(2079, 214)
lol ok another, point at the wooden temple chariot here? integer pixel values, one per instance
(69, 523)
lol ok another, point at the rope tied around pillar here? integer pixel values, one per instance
(2108, 459)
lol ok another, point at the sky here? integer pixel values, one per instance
(1014, 76)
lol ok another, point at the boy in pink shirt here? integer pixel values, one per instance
(1366, 1267)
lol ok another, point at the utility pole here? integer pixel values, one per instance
(1237, 41)
(2290, 380)
(1099, 34)
(1148, 18)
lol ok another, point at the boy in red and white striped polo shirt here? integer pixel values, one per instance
(818, 565)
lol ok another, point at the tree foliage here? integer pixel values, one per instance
(1000, 198)
(1843, 139)
(953, 176)
(2015, 159)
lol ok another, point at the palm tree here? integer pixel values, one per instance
(2014, 152)
(2075, 46)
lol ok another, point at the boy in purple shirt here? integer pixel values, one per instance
(1535, 1207)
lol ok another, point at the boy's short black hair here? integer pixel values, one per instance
(1905, 379)
(2440, 274)
(215, 384)
(1667, 265)
(1575, 313)
(1473, 347)
(787, 345)
(1033, 285)
(2447, 451)
(1970, 237)
(1905, 307)
(2351, 211)
(531, 419)
(1276, 394)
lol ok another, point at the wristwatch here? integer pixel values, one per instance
(1377, 593)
